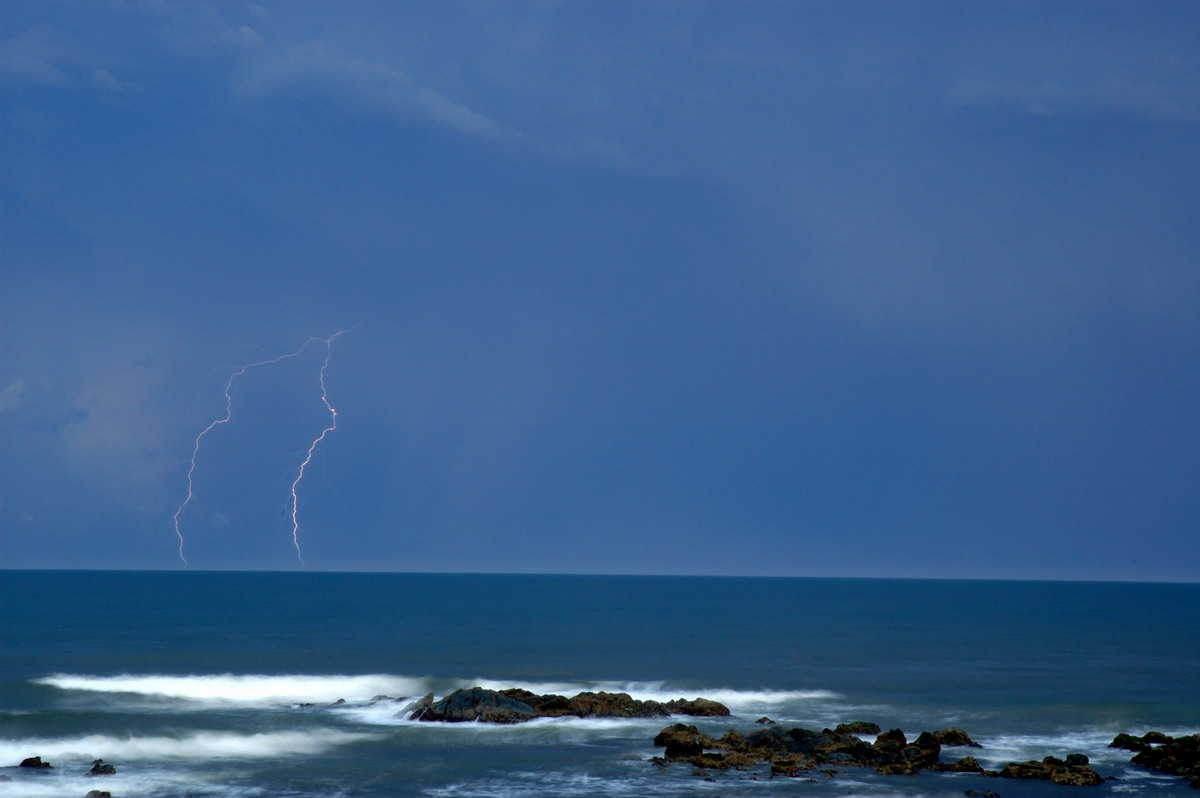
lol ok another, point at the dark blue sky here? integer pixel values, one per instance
(805, 288)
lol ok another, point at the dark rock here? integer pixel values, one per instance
(954, 738)
(420, 705)
(35, 762)
(1077, 777)
(1026, 770)
(683, 741)
(1156, 738)
(890, 742)
(764, 720)
(473, 704)
(698, 708)
(1053, 770)
(733, 740)
(1128, 742)
(614, 705)
(857, 727)
(772, 739)
(551, 706)
(967, 764)
(794, 752)
(98, 794)
(898, 769)
(101, 768)
(1180, 756)
(923, 752)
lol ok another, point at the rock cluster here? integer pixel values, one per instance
(1179, 756)
(516, 706)
(1073, 771)
(794, 752)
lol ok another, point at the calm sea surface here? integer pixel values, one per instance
(194, 684)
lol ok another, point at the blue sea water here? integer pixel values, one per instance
(223, 685)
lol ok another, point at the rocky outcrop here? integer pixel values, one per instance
(101, 768)
(795, 752)
(858, 727)
(516, 705)
(35, 762)
(1179, 756)
(474, 704)
(1074, 771)
(955, 738)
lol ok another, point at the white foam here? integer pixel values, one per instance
(206, 745)
(252, 689)
(664, 692)
(243, 689)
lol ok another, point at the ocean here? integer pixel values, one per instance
(237, 684)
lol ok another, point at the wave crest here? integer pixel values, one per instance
(198, 745)
(300, 688)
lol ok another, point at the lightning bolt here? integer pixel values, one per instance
(240, 372)
(313, 446)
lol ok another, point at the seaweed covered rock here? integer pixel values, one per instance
(858, 727)
(1053, 769)
(682, 741)
(955, 738)
(796, 751)
(697, 708)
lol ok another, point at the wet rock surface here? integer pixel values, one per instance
(798, 752)
(474, 704)
(1179, 756)
(515, 705)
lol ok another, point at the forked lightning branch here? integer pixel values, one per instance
(332, 425)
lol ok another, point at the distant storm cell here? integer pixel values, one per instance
(229, 384)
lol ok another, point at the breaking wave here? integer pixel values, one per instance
(203, 745)
(253, 689)
(237, 689)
